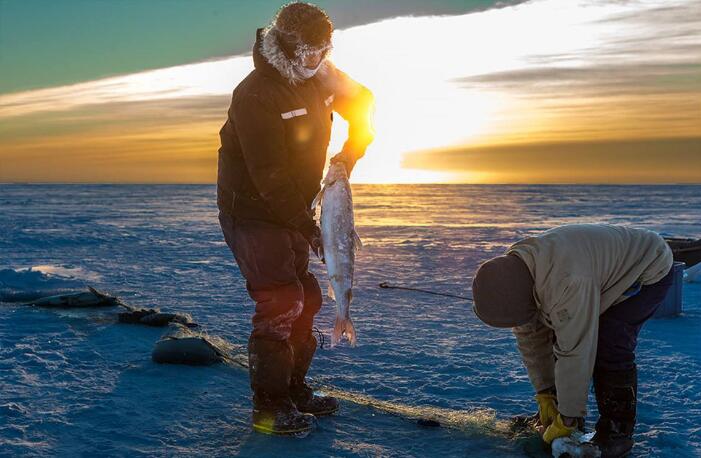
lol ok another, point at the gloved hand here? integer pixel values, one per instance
(312, 234)
(547, 408)
(343, 158)
(558, 429)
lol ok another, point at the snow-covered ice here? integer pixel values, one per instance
(74, 382)
(693, 274)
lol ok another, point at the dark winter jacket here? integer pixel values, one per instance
(274, 142)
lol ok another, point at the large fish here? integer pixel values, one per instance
(339, 242)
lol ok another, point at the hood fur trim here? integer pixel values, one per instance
(272, 52)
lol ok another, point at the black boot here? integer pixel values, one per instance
(270, 366)
(616, 396)
(302, 395)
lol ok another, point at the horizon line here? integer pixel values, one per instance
(451, 183)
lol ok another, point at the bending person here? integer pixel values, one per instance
(576, 298)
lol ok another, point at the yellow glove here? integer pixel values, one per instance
(547, 408)
(557, 429)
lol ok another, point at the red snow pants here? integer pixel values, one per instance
(274, 261)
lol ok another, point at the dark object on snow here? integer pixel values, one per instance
(90, 298)
(193, 351)
(428, 423)
(672, 304)
(135, 316)
(184, 347)
(152, 317)
(685, 250)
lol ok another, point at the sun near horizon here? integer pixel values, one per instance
(538, 92)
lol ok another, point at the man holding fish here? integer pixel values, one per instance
(272, 155)
(576, 298)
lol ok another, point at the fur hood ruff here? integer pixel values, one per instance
(272, 52)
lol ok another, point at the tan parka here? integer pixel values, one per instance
(579, 272)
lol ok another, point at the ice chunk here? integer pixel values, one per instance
(156, 318)
(183, 345)
(25, 285)
(195, 351)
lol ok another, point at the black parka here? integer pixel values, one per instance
(274, 142)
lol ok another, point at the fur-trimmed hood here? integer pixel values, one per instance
(268, 46)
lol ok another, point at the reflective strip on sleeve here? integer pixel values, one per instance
(294, 113)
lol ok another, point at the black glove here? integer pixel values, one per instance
(312, 233)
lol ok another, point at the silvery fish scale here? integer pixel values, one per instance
(340, 241)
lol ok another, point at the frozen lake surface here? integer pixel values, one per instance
(76, 383)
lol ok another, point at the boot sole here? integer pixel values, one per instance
(323, 413)
(274, 432)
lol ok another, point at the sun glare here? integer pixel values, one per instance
(418, 106)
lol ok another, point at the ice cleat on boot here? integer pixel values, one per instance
(616, 396)
(270, 368)
(301, 394)
(282, 419)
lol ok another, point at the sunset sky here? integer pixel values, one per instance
(477, 91)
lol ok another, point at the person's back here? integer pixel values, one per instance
(615, 257)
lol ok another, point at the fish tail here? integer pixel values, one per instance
(343, 327)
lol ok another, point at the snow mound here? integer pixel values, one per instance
(23, 285)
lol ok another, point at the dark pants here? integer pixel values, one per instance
(620, 325)
(274, 261)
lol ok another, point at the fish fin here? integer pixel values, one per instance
(318, 197)
(358, 244)
(343, 327)
(330, 293)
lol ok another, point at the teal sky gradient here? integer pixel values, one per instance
(45, 43)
